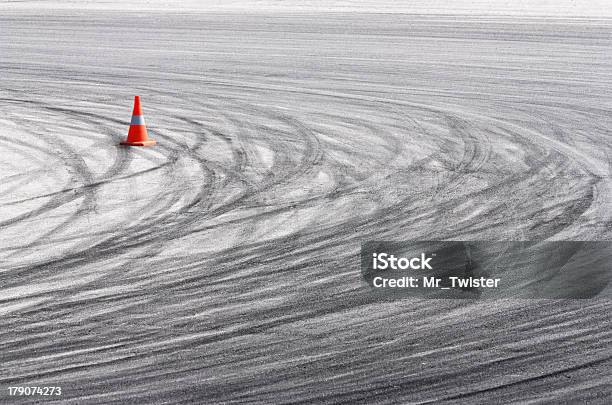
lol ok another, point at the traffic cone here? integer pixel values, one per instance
(137, 135)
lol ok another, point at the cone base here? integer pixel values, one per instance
(150, 142)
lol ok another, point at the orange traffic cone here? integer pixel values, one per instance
(137, 136)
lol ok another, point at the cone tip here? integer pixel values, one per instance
(137, 108)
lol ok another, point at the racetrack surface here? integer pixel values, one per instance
(222, 265)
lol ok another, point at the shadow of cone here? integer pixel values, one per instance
(137, 135)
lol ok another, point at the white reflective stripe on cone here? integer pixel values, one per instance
(137, 120)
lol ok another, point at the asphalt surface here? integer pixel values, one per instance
(222, 265)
